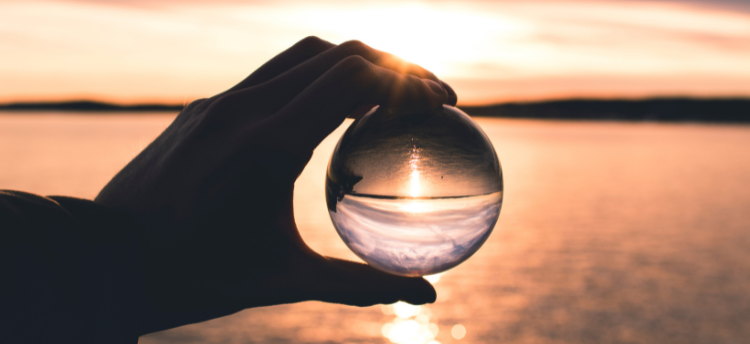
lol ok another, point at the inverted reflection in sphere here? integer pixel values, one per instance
(414, 193)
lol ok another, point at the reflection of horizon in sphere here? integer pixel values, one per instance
(414, 193)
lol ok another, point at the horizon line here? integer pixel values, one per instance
(99, 105)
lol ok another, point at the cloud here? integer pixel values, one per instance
(130, 50)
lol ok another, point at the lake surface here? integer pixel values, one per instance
(610, 232)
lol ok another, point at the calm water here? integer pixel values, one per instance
(609, 233)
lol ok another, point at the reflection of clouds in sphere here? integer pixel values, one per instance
(438, 237)
(414, 193)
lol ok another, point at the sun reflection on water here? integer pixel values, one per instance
(411, 326)
(414, 324)
(433, 278)
(458, 331)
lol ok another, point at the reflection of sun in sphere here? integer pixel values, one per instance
(414, 171)
(414, 193)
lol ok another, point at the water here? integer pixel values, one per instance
(610, 232)
(416, 236)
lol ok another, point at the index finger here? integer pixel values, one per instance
(324, 104)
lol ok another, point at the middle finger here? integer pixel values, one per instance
(278, 91)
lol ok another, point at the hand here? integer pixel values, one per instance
(214, 191)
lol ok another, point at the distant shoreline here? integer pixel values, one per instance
(653, 109)
(725, 110)
(88, 106)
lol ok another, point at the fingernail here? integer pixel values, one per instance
(437, 88)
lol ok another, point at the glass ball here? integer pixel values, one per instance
(414, 193)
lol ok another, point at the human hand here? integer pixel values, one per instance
(214, 190)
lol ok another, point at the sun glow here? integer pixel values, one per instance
(414, 176)
(487, 50)
(435, 37)
(412, 324)
(414, 207)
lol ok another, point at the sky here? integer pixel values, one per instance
(132, 51)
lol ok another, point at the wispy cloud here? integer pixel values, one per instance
(131, 50)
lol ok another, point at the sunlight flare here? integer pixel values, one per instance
(414, 179)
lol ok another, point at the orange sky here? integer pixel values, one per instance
(134, 51)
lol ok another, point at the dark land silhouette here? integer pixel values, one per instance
(88, 106)
(653, 109)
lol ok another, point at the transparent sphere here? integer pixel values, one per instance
(414, 193)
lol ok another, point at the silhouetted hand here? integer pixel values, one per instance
(214, 191)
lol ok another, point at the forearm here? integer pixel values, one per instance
(71, 271)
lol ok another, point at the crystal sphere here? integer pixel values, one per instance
(414, 193)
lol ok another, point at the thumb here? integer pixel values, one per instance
(356, 284)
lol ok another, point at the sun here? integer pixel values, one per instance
(436, 36)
